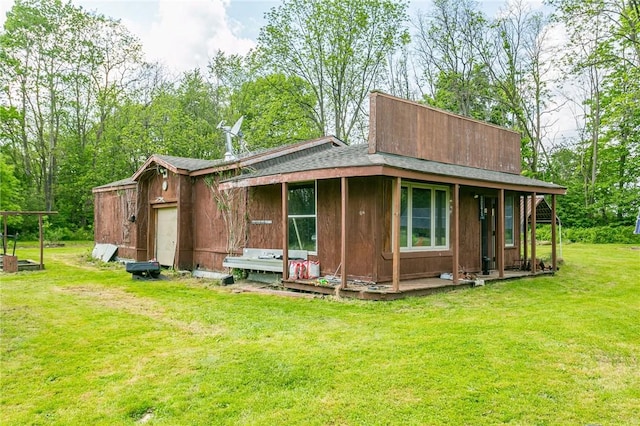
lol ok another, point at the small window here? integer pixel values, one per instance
(424, 217)
(302, 217)
(508, 222)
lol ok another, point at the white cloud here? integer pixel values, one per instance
(182, 34)
(185, 34)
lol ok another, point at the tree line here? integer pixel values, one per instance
(80, 106)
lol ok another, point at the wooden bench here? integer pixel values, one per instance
(267, 260)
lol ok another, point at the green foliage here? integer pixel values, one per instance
(277, 110)
(602, 235)
(603, 171)
(594, 235)
(339, 47)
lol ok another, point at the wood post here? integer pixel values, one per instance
(397, 183)
(344, 185)
(534, 205)
(41, 235)
(500, 233)
(285, 231)
(455, 237)
(554, 257)
(525, 227)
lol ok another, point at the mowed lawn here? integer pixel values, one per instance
(85, 344)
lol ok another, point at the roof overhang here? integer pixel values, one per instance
(270, 154)
(159, 162)
(383, 170)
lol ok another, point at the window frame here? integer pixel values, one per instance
(433, 222)
(512, 242)
(292, 186)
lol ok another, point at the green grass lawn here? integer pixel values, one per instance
(86, 344)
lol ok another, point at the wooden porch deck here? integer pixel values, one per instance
(408, 288)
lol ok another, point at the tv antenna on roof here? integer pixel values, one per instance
(229, 133)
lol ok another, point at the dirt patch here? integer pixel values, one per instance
(115, 298)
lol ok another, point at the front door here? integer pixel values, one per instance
(488, 232)
(166, 235)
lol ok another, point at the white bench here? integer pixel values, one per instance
(268, 260)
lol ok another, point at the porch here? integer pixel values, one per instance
(407, 288)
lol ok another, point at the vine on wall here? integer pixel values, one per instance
(232, 205)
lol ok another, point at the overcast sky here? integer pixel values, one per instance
(183, 34)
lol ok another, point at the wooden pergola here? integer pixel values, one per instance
(40, 214)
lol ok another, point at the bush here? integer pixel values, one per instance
(595, 235)
(66, 234)
(601, 235)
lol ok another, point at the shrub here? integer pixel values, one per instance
(602, 235)
(595, 235)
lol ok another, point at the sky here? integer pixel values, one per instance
(183, 34)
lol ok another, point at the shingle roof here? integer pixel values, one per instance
(121, 182)
(358, 156)
(189, 164)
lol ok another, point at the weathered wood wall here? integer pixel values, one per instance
(209, 231)
(403, 127)
(184, 245)
(112, 211)
(265, 217)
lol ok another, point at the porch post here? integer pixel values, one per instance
(344, 185)
(396, 233)
(285, 231)
(525, 228)
(41, 237)
(4, 235)
(500, 233)
(554, 260)
(455, 230)
(533, 232)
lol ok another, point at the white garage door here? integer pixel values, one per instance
(166, 235)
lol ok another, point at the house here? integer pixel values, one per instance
(431, 193)
(171, 209)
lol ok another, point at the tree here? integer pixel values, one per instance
(339, 47)
(276, 111)
(515, 57)
(62, 71)
(454, 76)
(604, 51)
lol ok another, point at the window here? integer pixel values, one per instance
(302, 217)
(424, 217)
(508, 221)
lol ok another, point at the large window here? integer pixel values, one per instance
(508, 221)
(302, 217)
(424, 217)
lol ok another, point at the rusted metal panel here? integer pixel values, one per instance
(408, 128)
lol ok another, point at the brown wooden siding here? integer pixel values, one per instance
(265, 217)
(470, 255)
(411, 129)
(363, 227)
(209, 231)
(184, 245)
(329, 228)
(112, 225)
(142, 223)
